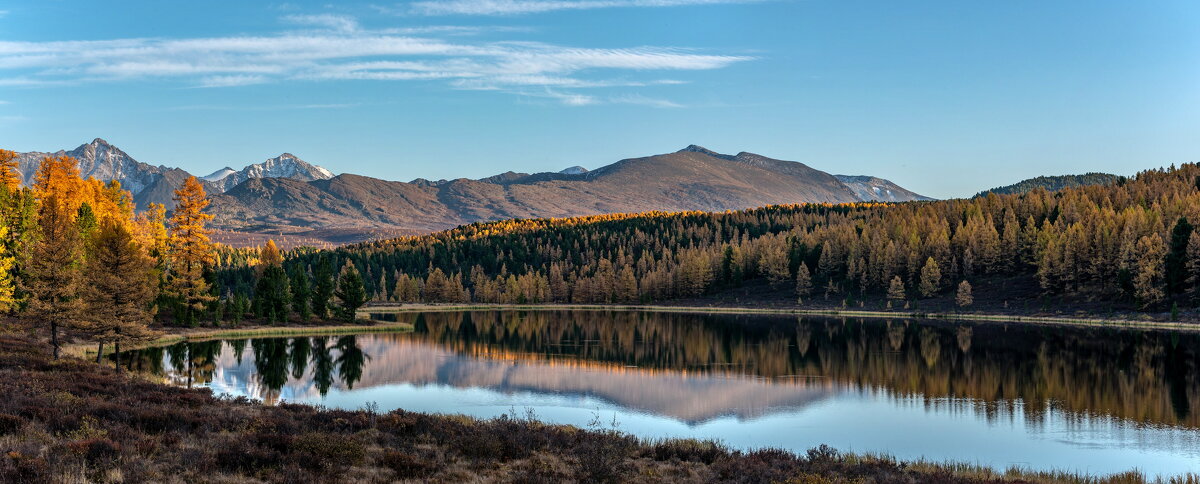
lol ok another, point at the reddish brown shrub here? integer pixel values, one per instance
(408, 466)
(96, 451)
(16, 467)
(327, 451)
(10, 424)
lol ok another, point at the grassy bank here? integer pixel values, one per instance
(74, 421)
(964, 315)
(174, 335)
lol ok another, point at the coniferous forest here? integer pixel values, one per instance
(77, 258)
(1129, 245)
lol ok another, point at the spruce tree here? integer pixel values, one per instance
(1176, 260)
(301, 292)
(52, 276)
(323, 289)
(1193, 265)
(351, 293)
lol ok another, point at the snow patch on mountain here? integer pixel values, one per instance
(219, 174)
(286, 165)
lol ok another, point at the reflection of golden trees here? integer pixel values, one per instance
(963, 333)
(1139, 376)
(931, 348)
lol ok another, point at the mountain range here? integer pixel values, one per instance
(288, 196)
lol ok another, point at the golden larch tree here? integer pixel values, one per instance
(191, 251)
(8, 262)
(59, 176)
(8, 170)
(269, 255)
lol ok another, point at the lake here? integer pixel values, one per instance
(1088, 400)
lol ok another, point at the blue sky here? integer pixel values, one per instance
(943, 97)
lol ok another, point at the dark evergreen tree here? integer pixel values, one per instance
(272, 294)
(323, 289)
(301, 292)
(351, 293)
(1176, 262)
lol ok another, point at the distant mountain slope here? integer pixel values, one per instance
(690, 179)
(157, 184)
(286, 195)
(873, 189)
(1054, 183)
(105, 162)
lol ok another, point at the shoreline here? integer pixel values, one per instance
(1094, 322)
(173, 335)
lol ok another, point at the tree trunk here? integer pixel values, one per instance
(99, 352)
(117, 356)
(54, 337)
(189, 366)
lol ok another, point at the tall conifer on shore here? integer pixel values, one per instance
(119, 285)
(191, 252)
(52, 277)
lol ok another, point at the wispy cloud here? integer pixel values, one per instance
(246, 107)
(340, 49)
(230, 81)
(518, 7)
(342, 23)
(644, 101)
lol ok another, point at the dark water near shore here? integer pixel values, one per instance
(1080, 399)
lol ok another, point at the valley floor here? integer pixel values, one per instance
(74, 421)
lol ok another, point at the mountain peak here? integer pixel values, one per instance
(286, 165)
(705, 151)
(100, 142)
(574, 170)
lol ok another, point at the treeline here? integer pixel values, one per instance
(1130, 242)
(75, 258)
(1054, 183)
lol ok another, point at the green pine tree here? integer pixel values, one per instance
(351, 293)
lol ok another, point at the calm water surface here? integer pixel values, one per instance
(1086, 400)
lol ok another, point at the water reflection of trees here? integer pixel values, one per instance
(276, 361)
(1142, 376)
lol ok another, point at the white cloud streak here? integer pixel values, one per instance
(519, 7)
(344, 23)
(339, 49)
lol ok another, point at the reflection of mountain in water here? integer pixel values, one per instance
(690, 397)
(697, 367)
(687, 396)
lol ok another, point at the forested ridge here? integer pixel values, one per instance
(75, 257)
(1129, 242)
(1054, 183)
